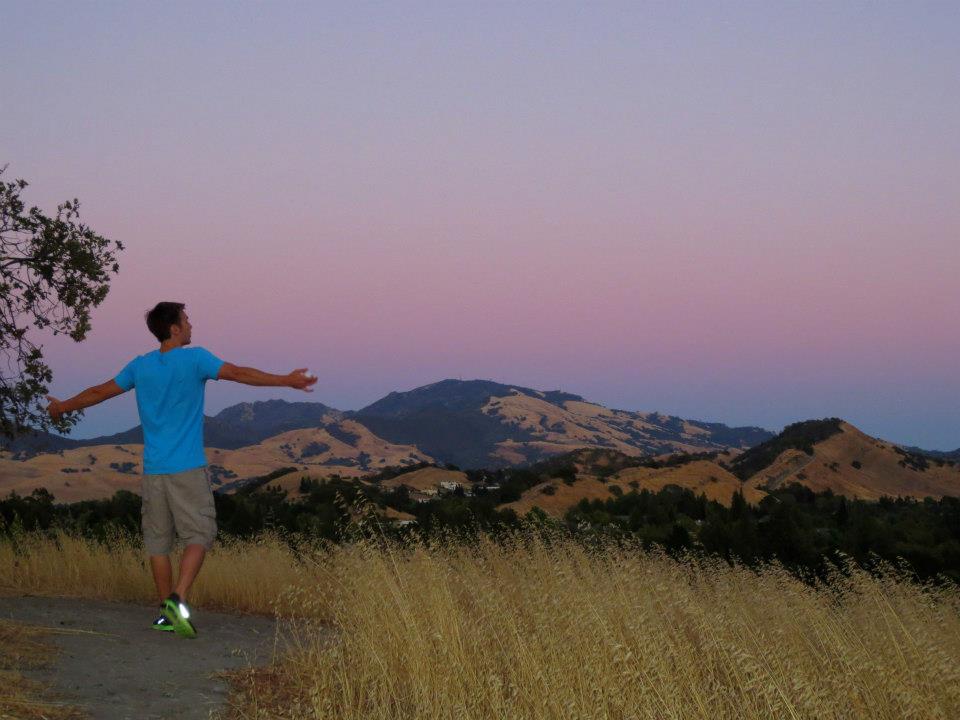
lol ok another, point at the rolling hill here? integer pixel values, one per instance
(345, 448)
(852, 463)
(599, 474)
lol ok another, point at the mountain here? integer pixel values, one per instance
(231, 428)
(480, 423)
(942, 454)
(249, 423)
(35, 442)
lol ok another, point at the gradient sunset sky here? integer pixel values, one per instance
(736, 212)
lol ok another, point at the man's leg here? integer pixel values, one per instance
(190, 564)
(162, 575)
(158, 529)
(194, 513)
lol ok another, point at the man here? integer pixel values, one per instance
(170, 383)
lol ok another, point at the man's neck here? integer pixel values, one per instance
(166, 347)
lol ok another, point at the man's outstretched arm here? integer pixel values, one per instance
(90, 396)
(298, 379)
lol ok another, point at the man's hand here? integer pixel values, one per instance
(54, 408)
(298, 380)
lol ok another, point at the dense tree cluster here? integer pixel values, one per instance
(802, 529)
(805, 531)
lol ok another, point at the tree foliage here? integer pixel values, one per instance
(53, 270)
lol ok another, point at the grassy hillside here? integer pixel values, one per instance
(344, 448)
(800, 436)
(848, 462)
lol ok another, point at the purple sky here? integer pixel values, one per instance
(745, 213)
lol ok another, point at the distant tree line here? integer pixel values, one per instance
(804, 530)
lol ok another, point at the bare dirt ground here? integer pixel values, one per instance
(114, 666)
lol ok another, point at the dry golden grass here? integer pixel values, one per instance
(544, 627)
(700, 476)
(530, 630)
(242, 576)
(428, 478)
(22, 648)
(555, 497)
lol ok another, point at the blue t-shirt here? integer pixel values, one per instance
(170, 389)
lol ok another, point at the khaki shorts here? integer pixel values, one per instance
(181, 502)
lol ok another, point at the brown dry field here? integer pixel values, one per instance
(426, 479)
(44, 471)
(564, 496)
(700, 476)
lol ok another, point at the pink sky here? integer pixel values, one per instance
(744, 215)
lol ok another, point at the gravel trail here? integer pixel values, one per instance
(114, 666)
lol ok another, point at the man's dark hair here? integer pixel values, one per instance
(162, 317)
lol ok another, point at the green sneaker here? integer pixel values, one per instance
(161, 623)
(178, 613)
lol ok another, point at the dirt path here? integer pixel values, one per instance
(130, 671)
